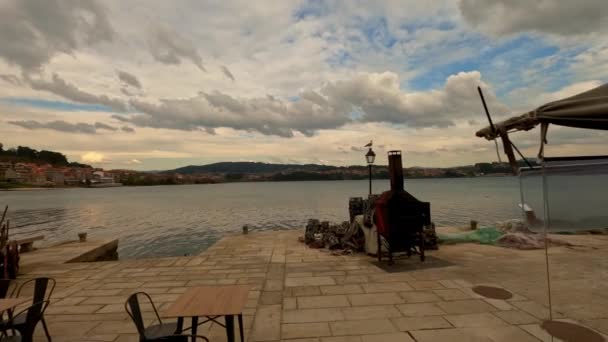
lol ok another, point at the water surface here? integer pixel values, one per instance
(186, 219)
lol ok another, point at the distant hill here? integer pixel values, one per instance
(30, 155)
(248, 167)
(257, 171)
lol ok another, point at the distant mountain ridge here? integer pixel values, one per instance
(249, 168)
(236, 170)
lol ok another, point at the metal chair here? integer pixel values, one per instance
(156, 332)
(41, 285)
(5, 285)
(214, 319)
(177, 338)
(11, 339)
(25, 323)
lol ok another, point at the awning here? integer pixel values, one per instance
(585, 110)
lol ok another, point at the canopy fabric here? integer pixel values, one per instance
(585, 110)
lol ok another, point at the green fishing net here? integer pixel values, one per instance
(485, 235)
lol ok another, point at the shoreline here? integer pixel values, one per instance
(27, 189)
(241, 181)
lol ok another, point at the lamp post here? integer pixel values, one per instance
(370, 156)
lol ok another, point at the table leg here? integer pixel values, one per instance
(229, 327)
(180, 325)
(194, 327)
(241, 327)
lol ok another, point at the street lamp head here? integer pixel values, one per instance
(370, 156)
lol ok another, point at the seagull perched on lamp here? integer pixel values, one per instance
(369, 144)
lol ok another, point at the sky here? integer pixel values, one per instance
(154, 85)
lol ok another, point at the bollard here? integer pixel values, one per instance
(473, 225)
(245, 229)
(82, 237)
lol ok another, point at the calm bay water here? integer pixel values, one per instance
(175, 220)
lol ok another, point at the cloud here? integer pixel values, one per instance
(266, 115)
(563, 18)
(357, 149)
(227, 72)
(32, 32)
(126, 92)
(11, 79)
(533, 97)
(58, 125)
(93, 157)
(567, 91)
(63, 126)
(379, 98)
(127, 129)
(61, 87)
(100, 125)
(169, 47)
(340, 73)
(375, 96)
(128, 79)
(592, 63)
(133, 161)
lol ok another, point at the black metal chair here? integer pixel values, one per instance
(41, 285)
(11, 339)
(25, 323)
(5, 285)
(156, 332)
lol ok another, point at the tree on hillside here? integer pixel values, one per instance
(26, 154)
(54, 158)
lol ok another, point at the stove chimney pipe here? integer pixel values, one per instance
(395, 171)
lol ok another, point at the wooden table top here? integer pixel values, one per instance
(209, 301)
(9, 303)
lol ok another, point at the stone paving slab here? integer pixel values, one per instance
(303, 294)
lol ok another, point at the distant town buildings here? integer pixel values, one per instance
(32, 174)
(48, 175)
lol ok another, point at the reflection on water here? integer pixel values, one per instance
(178, 220)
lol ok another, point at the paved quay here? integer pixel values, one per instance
(302, 294)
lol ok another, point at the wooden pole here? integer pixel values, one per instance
(485, 107)
(507, 144)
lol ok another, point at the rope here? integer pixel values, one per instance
(497, 152)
